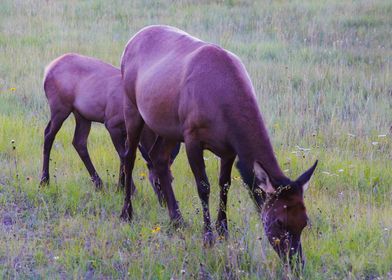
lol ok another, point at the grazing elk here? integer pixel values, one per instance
(93, 91)
(188, 90)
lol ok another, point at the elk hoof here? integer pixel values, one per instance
(98, 183)
(223, 232)
(126, 213)
(208, 239)
(126, 217)
(178, 222)
(44, 181)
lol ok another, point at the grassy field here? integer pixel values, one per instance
(322, 73)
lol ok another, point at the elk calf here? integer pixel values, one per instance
(93, 91)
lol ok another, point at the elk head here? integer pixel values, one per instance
(282, 210)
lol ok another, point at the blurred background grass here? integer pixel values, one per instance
(322, 73)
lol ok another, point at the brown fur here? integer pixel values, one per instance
(93, 91)
(188, 90)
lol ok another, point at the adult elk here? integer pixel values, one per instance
(93, 91)
(188, 90)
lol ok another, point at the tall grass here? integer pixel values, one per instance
(322, 73)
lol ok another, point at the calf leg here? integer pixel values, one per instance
(147, 140)
(194, 152)
(118, 135)
(51, 130)
(160, 157)
(82, 131)
(224, 183)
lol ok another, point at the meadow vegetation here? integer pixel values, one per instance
(322, 74)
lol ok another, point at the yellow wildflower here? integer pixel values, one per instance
(12, 89)
(156, 229)
(142, 175)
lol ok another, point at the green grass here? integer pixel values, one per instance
(322, 73)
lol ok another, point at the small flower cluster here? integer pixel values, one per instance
(156, 229)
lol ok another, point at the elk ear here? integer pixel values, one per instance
(304, 179)
(264, 181)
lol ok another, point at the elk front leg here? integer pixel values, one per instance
(194, 152)
(224, 183)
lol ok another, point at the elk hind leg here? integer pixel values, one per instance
(51, 130)
(82, 131)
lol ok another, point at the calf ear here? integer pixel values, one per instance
(264, 181)
(304, 179)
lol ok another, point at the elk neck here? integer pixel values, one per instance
(252, 143)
